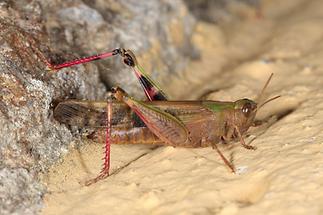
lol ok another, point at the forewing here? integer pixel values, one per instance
(186, 111)
(91, 113)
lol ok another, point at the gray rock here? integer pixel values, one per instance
(81, 15)
(19, 190)
(220, 11)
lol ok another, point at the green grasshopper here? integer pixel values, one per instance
(159, 121)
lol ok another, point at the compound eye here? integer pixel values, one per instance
(247, 109)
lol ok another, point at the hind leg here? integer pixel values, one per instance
(106, 165)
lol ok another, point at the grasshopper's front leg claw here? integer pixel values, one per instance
(242, 142)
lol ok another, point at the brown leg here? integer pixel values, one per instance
(227, 138)
(242, 140)
(228, 163)
(106, 166)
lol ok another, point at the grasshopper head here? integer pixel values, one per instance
(245, 112)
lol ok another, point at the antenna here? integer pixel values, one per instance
(259, 97)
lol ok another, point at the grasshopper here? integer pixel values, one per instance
(158, 121)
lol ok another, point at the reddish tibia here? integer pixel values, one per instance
(82, 60)
(106, 166)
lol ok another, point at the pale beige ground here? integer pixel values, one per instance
(283, 176)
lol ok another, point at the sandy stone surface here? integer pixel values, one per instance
(283, 176)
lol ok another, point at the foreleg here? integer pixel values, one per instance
(231, 133)
(242, 140)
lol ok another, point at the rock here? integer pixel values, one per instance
(19, 190)
(222, 11)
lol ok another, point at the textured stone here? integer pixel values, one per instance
(223, 11)
(19, 190)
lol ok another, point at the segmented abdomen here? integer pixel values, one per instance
(135, 135)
